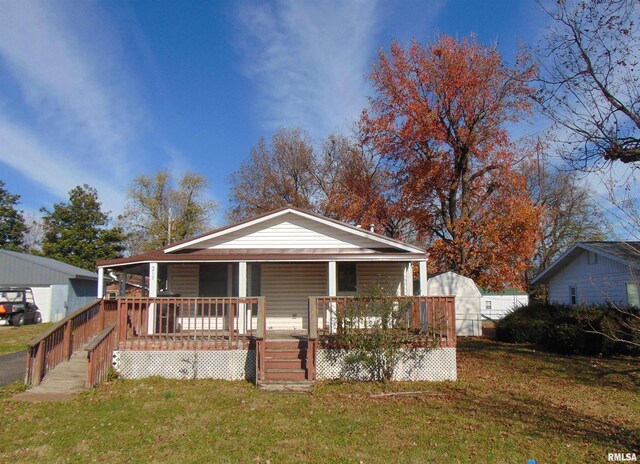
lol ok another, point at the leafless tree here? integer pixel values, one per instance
(589, 67)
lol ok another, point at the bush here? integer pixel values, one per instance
(574, 330)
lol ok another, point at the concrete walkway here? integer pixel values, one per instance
(12, 367)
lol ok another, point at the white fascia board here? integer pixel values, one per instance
(226, 231)
(376, 238)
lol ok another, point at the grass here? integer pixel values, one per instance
(510, 404)
(14, 339)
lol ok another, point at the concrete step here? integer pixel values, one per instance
(287, 386)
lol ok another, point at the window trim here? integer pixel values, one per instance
(573, 295)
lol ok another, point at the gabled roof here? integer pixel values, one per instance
(297, 212)
(626, 253)
(195, 248)
(37, 270)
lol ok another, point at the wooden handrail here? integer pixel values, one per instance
(98, 338)
(62, 322)
(99, 356)
(59, 342)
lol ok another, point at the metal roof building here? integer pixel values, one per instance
(59, 288)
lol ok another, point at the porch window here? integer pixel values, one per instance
(347, 280)
(218, 280)
(573, 295)
(488, 305)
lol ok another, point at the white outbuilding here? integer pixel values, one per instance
(58, 288)
(468, 298)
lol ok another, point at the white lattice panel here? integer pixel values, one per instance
(422, 364)
(221, 364)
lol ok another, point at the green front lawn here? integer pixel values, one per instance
(14, 339)
(510, 405)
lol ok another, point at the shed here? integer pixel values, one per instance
(496, 305)
(58, 288)
(468, 297)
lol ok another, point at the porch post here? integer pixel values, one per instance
(423, 277)
(100, 289)
(122, 285)
(408, 280)
(242, 292)
(153, 293)
(332, 287)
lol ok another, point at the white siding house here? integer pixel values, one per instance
(496, 305)
(594, 273)
(468, 297)
(286, 256)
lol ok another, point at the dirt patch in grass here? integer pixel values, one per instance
(14, 339)
(510, 404)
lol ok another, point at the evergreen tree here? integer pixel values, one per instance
(12, 225)
(76, 232)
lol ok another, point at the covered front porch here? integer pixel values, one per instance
(241, 288)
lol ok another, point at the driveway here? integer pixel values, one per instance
(12, 367)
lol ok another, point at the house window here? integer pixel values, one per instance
(573, 294)
(487, 305)
(633, 295)
(592, 258)
(347, 280)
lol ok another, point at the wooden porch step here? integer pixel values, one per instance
(284, 363)
(285, 374)
(287, 386)
(286, 344)
(295, 353)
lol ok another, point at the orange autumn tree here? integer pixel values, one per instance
(438, 117)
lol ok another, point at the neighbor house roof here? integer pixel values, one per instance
(192, 249)
(626, 253)
(24, 269)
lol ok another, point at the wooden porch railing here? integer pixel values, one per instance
(57, 344)
(260, 336)
(188, 323)
(432, 315)
(99, 356)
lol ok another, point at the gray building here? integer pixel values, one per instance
(58, 288)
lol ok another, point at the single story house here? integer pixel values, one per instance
(58, 288)
(257, 297)
(595, 272)
(468, 298)
(496, 305)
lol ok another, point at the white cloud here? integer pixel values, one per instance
(75, 117)
(310, 60)
(20, 149)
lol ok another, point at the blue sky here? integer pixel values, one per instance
(99, 92)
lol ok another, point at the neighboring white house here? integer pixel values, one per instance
(496, 305)
(58, 288)
(594, 273)
(468, 297)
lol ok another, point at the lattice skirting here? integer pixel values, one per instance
(420, 364)
(222, 364)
